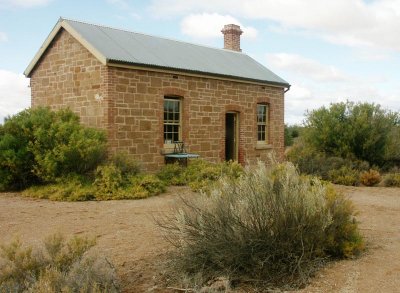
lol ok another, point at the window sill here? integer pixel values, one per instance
(263, 146)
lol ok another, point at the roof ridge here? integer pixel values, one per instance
(154, 36)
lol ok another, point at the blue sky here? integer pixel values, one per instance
(329, 51)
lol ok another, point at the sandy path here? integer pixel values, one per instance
(128, 236)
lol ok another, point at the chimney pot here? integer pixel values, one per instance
(232, 34)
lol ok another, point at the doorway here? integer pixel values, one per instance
(231, 136)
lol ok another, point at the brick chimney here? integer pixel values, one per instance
(232, 34)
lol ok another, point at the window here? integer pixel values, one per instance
(262, 123)
(172, 120)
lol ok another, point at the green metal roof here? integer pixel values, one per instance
(120, 46)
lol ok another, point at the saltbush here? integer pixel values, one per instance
(270, 224)
(392, 180)
(57, 266)
(39, 145)
(370, 178)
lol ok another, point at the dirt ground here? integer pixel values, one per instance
(128, 236)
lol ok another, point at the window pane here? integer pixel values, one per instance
(261, 113)
(171, 120)
(262, 120)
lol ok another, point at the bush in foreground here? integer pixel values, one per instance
(59, 266)
(271, 225)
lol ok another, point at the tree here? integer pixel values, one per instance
(351, 130)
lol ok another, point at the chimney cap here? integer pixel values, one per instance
(231, 28)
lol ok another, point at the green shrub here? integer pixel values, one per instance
(109, 184)
(345, 176)
(270, 224)
(38, 145)
(58, 266)
(108, 181)
(172, 174)
(72, 190)
(201, 175)
(392, 180)
(370, 178)
(150, 183)
(126, 164)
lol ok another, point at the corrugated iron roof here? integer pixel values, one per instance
(120, 46)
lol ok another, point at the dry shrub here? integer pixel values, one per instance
(370, 178)
(270, 225)
(58, 266)
(392, 180)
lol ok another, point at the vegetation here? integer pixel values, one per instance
(370, 178)
(270, 225)
(199, 174)
(291, 133)
(341, 143)
(392, 180)
(58, 266)
(110, 182)
(352, 131)
(40, 146)
(392, 150)
(344, 176)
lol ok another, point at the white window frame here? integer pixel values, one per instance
(170, 143)
(264, 123)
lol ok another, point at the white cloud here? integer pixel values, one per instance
(306, 67)
(23, 3)
(348, 22)
(3, 37)
(209, 25)
(14, 93)
(306, 95)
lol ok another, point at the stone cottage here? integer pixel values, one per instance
(147, 92)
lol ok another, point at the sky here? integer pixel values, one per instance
(329, 51)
